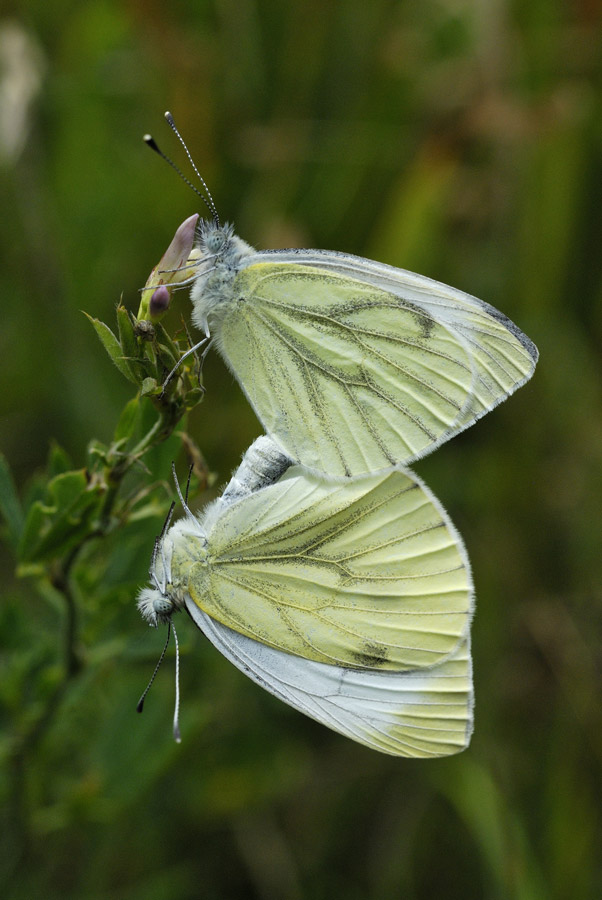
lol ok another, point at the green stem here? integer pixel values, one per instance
(147, 440)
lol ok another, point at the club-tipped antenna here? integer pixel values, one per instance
(140, 705)
(208, 198)
(151, 142)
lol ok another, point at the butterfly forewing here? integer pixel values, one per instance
(353, 366)
(349, 378)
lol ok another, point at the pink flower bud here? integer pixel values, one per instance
(179, 250)
(159, 301)
(176, 265)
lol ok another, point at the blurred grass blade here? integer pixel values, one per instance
(496, 830)
(10, 505)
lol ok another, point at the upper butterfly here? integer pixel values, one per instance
(352, 366)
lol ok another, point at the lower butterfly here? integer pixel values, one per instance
(349, 600)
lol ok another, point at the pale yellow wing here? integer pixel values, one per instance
(352, 376)
(368, 573)
(424, 713)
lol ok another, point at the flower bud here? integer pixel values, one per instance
(159, 302)
(176, 265)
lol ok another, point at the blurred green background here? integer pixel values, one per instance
(459, 139)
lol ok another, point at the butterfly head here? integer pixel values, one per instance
(220, 243)
(155, 607)
(214, 238)
(177, 550)
(157, 602)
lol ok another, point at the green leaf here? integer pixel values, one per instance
(126, 427)
(112, 346)
(129, 342)
(59, 460)
(149, 386)
(64, 519)
(10, 505)
(98, 454)
(166, 343)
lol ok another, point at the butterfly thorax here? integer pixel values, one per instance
(222, 253)
(186, 546)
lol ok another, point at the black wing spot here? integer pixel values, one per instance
(371, 656)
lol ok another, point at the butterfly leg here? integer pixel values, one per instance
(182, 358)
(202, 360)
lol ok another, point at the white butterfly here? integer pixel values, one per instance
(349, 600)
(351, 366)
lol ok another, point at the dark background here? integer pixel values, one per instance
(458, 139)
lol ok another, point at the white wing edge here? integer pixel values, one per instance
(424, 713)
(390, 278)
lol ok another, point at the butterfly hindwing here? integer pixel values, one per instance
(423, 713)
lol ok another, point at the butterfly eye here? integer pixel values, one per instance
(162, 606)
(215, 240)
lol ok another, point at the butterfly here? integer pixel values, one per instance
(351, 366)
(350, 600)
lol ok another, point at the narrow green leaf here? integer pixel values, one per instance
(31, 533)
(128, 419)
(128, 341)
(64, 519)
(112, 346)
(10, 505)
(65, 489)
(167, 349)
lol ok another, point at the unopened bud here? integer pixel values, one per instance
(176, 265)
(159, 302)
(179, 250)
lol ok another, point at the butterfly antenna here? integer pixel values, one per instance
(140, 705)
(183, 500)
(188, 483)
(184, 356)
(176, 715)
(151, 142)
(183, 497)
(208, 198)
